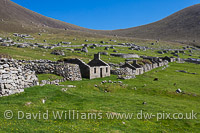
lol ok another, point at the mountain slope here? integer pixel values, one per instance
(183, 25)
(14, 18)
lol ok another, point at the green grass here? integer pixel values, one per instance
(160, 96)
(50, 77)
(37, 53)
(86, 98)
(28, 53)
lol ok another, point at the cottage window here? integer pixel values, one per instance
(95, 70)
(106, 70)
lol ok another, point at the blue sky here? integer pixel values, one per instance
(106, 14)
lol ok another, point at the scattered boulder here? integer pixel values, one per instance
(113, 40)
(43, 101)
(103, 53)
(102, 42)
(64, 89)
(58, 52)
(92, 47)
(104, 82)
(156, 79)
(178, 91)
(144, 103)
(71, 86)
(120, 82)
(106, 48)
(84, 49)
(112, 47)
(67, 43)
(28, 103)
(125, 77)
(160, 52)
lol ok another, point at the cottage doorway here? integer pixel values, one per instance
(101, 72)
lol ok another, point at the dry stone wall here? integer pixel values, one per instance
(15, 75)
(67, 71)
(14, 78)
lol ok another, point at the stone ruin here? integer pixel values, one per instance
(131, 67)
(67, 71)
(15, 75)
(96, 68)
(124, 73)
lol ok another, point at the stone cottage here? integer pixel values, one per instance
(94, 69)
(98, 68)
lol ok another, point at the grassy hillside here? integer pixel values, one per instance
(90, 96)
(38, 53)
(16, 17)
(182, 26)
(86, 98)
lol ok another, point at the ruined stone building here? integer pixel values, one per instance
(147, 67)
(94, 69)
(135, 67)
(15, 75)
(169, 59)
(98, 68)
(156, 61)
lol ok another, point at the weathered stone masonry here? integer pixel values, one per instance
(15, 75)
(14, 78)
(67, 71)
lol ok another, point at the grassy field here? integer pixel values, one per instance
(37, 53)
(92, 97)
(86, 98)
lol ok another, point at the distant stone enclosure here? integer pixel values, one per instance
(125, 55)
